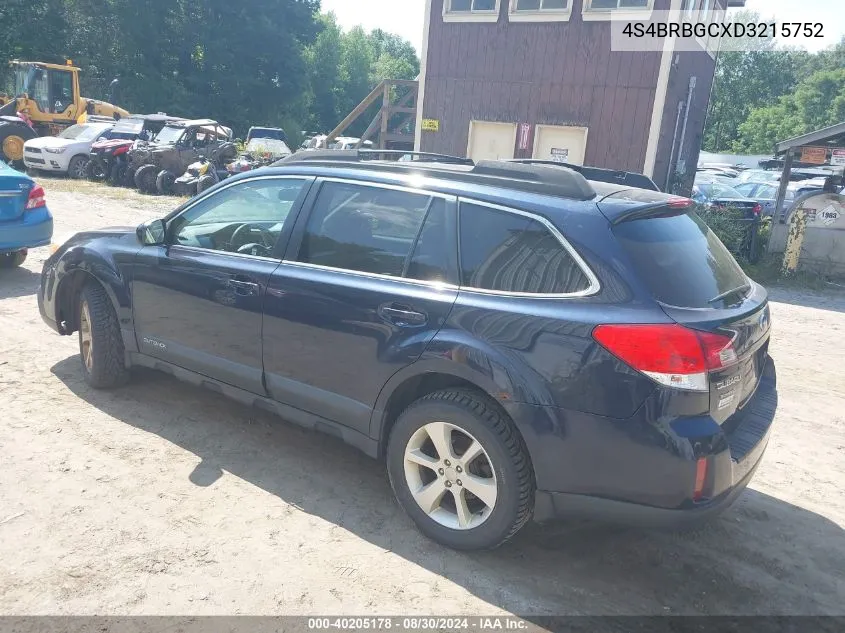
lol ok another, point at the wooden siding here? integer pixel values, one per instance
(554, 73)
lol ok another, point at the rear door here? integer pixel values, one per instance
(368, 280)
(699, 284)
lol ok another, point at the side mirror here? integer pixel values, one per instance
(151, 233)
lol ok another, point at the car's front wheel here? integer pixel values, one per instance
(100, 343)
(78, 167)
(460, 470)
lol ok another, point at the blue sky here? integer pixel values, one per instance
(405, 17)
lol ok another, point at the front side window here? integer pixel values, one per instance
(508, 252)
(246, 218)
(366, 229)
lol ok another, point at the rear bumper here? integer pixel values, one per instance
(33, 228)
(641, 471)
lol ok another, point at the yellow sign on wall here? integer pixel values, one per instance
(431, 125)
(814, 155)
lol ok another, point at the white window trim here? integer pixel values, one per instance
(588, 14)
(471, 16)
(540, 15)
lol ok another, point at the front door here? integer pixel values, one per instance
(197, 300)
(561, 144)
(368, 280)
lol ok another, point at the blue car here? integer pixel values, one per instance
(25, 221)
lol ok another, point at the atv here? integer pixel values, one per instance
(155, 166)
(109, 159)
(197, 178)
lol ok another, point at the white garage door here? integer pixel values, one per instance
(491, 141)
(561, 144)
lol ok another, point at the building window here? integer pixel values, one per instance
(471, 10)
(540, 10)
(613, 5)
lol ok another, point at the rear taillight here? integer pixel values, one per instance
(700, 479)
(36, 198)
(679, 203)
(758, 209)
(670, 354)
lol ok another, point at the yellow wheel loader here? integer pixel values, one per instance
(43, 101)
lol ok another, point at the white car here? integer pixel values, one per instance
(66, 153)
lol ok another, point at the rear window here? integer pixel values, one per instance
(680, 259)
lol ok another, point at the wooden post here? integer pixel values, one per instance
(784, 182)
(385, 115)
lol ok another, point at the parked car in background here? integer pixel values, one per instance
(276, 133)
(108, 158)
(68, 153)
(25, 221)
(759, 175)
(725, 172)
(514, 340)
(715, 195)
(766, 193)
(350, 142)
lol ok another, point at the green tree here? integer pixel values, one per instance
(817, 102)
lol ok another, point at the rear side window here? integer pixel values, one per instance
(508, 252)
(680, 259)
(364, 228)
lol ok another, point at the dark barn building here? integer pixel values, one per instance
(538, 79)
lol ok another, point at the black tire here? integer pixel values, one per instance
(145, 178)
(480, 418)
(205, 182)
(13, 260)
(107, 361)
(128, 179)
(96, 170)
(164, 182)
(77, 168)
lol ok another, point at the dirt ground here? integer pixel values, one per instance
(161, 498)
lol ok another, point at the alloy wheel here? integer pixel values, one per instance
(450, 476)
(86, 346)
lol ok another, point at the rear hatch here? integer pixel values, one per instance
(700, 286)
(14, 192)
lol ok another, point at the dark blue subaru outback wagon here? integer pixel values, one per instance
(514, 340)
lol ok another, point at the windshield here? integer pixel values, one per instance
(170, 134)
(129, 126)
(716, 190)
(681, 259)
(82, 132)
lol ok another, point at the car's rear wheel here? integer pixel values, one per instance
(100, 343)
(78, 167)
(460, 470)
(13, 260)
(145, 178)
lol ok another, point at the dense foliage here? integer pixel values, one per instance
(772, 93)
(263, 62)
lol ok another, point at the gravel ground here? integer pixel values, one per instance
(161, 498)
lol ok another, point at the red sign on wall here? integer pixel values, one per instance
(524, 136)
